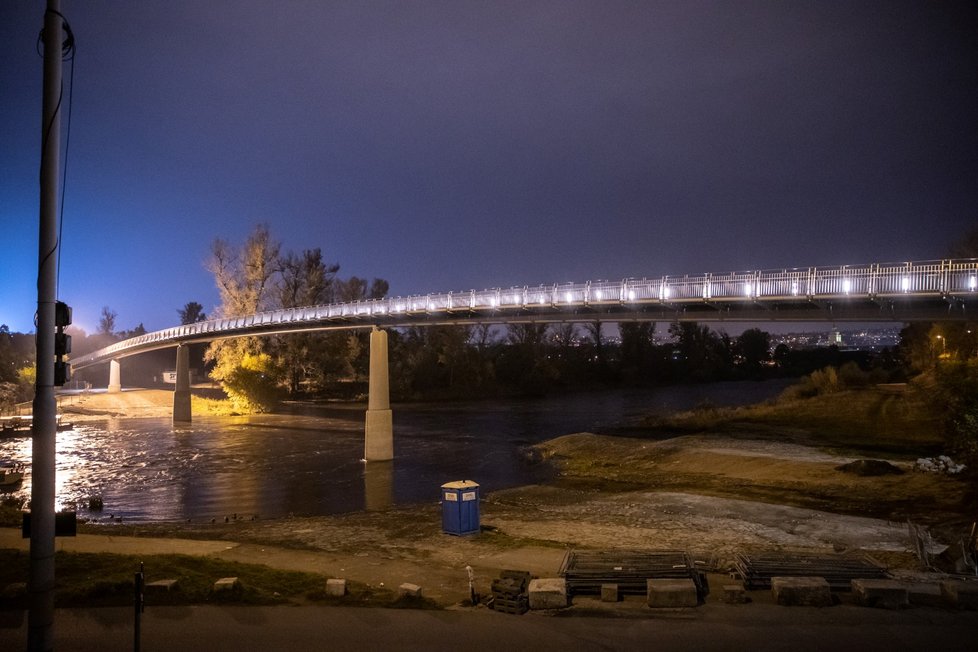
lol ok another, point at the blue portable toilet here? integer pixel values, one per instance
(460, 507)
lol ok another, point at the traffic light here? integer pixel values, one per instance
(62, 343)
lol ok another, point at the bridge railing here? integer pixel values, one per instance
(943, 278)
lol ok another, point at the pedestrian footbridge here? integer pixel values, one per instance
(886, 292)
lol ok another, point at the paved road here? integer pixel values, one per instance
(754, 627)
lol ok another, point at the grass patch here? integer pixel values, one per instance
(108, 580)
(853, 420)
(214, 407)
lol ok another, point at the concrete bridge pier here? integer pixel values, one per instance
(115, 376)
(378, 443)
(181, 393)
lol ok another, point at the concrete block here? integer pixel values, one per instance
(336, 588)
(227, 584)
(926, 594)
(680, 592)
(609, 593)
(886, 594)
(161, 586)
(960, 594)
(548, 593)
(801, 591)
(409, 590)
(734, 594)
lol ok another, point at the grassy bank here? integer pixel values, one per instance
(879, 419)
(107, 580)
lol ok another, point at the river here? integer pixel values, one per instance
(308, 462)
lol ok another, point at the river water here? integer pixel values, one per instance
(308, 462)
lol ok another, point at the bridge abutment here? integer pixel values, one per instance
(378, 443)
(115, 377)
(181, 393)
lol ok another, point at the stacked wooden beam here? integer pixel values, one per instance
(509, 592)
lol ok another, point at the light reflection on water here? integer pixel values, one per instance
(309, 462)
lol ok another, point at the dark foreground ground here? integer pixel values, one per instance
(710, 627)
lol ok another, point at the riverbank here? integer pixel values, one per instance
(713, 482)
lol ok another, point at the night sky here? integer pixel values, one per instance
(456, 145)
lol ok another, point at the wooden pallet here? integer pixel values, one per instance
(518, 607)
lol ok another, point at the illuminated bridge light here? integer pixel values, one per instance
(568, 297)
(543, 300)
(665, 292)
(972, 283)
(597, 294)
(846, 285)
(399, 307)
(631, 295)
(748, 289)
(492, 302)
(794, 289)
(905, 284)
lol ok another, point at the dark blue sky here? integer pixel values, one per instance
(455, 145)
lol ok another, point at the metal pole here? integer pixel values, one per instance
(40, 622)
(140, 603)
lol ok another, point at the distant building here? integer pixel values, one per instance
(835, 337)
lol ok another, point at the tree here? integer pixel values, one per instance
(754, 346)
(192, 313)
(106, 325)
(304, 280)
(702, 351)
(244, 279)
(637, 348)
(135, 332)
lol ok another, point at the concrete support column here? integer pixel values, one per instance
(115, 376)
(379, 433)
(181, 394)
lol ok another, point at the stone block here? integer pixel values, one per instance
(801, 591)
(960, 594)
(336, 588)
(227, 584)
(886, 594)
(609, 593)
(926, 594)
(734, 594)
(409, 590)
(680, 592)
(548, 593)
(161, 586)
